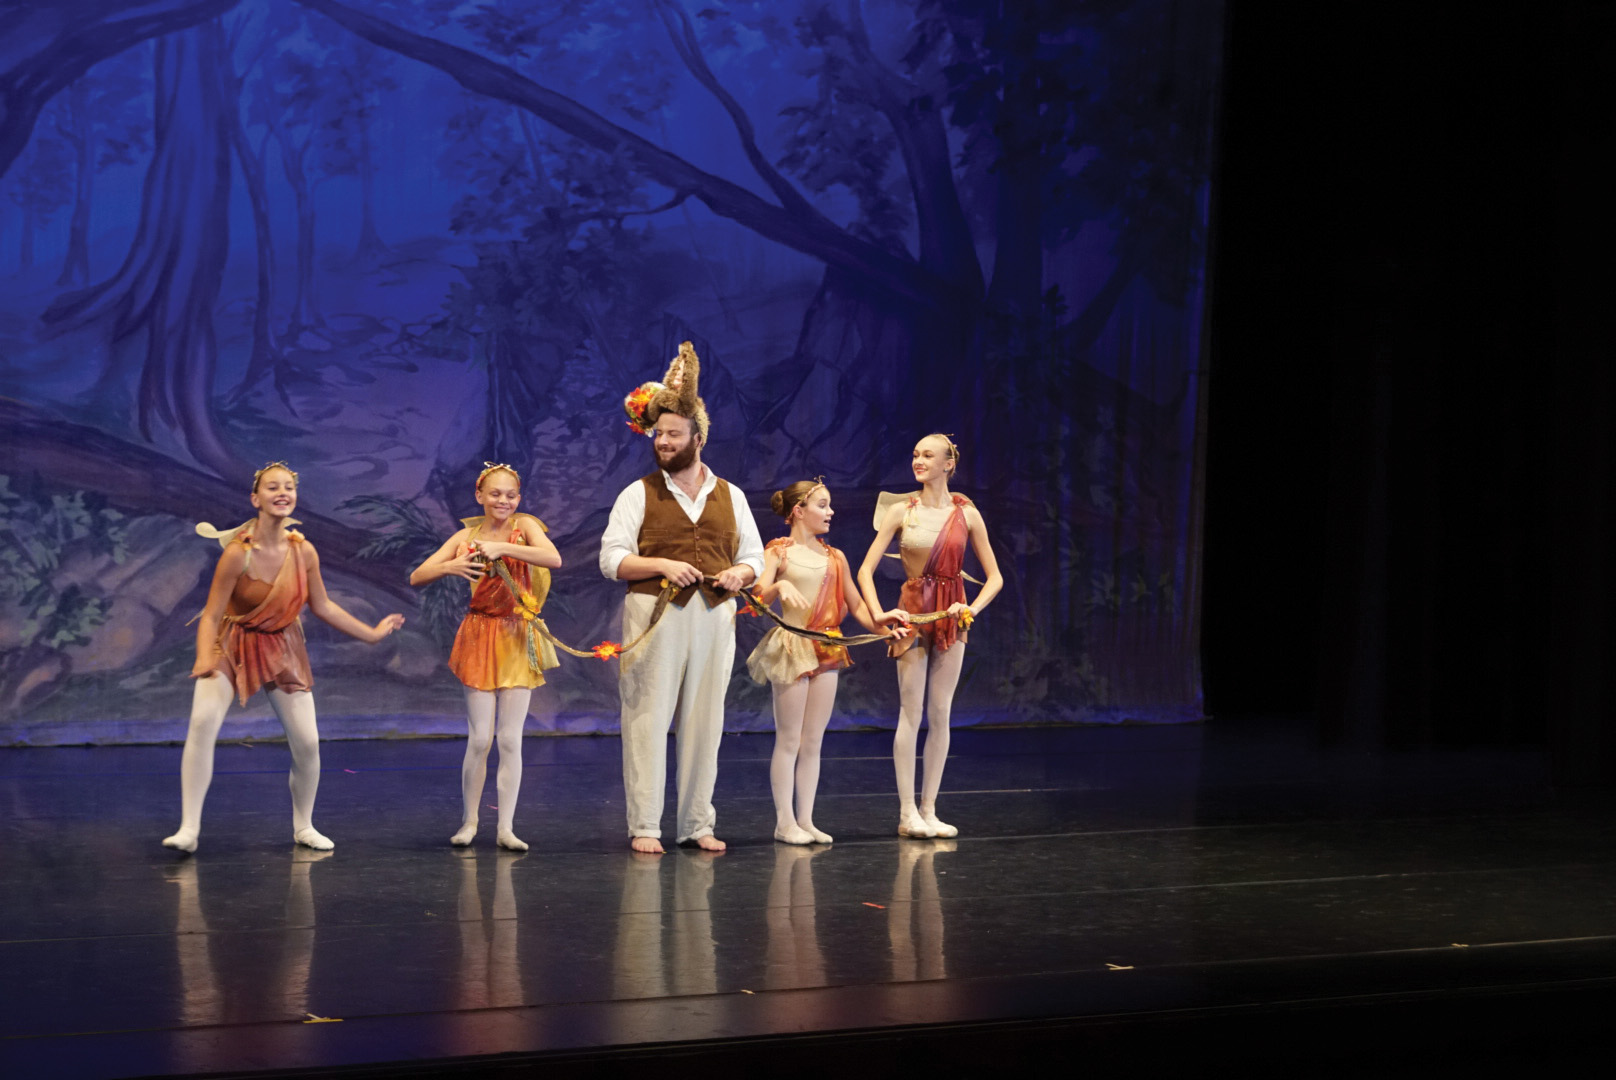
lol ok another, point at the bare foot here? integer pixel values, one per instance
(467, 833)
(709, 843)
(183, 840)
(646, 845)
(509, 842)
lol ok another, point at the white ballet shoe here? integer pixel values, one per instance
(182, 840)
(914, 825)
(793, 834)
(819, 837)
(313, 838)
(938, 828)
(467, 833)
(509, 842)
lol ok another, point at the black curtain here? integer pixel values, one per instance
(1410, 476)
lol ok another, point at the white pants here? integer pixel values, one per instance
(681, 671)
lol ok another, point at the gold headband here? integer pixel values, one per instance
(819, 482)
(259, 475)
(495, 466)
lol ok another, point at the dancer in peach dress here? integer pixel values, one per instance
(803, 672)
(249, 637)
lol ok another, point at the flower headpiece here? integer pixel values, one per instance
(676, 393)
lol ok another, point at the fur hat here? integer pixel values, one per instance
(676, 394)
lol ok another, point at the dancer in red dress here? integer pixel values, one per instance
(933, 526)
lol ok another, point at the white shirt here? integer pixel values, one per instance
(622, 536)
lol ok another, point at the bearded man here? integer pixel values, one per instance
(684, 525)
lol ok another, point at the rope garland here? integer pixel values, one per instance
(527, 608)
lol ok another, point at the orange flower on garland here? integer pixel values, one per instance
(965, 619)
(833, 632)
(748, 606)
(606, 650)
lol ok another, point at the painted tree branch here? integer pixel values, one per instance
(683, 36)
(50, 46)
(818, 238)
(140, 480)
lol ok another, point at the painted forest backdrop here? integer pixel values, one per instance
(387, 241)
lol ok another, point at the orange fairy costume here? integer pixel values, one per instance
(940, 583)
(783, 657)
(260, 637)
(491, 648)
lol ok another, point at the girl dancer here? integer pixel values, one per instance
(803, 673)
(934, 526)
(249, 636)
(490, 654)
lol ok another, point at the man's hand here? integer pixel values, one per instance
(681, 573)
(732, 580)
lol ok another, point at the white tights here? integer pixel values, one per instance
(801, 714)
(482, 706)
(209, 702)
(928, 685)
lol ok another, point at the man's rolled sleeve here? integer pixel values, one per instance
(622, 536)
(749, 545)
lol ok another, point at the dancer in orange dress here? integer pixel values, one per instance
(933, 526)
(491, 653)
(248, 636)
(801, 672)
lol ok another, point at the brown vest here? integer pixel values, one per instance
(710, 543)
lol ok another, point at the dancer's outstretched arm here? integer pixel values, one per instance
(444, 561)
(872, 559)
(329, 611)
(232, 564)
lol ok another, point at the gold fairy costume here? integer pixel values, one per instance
(491, 647)
(784, 657)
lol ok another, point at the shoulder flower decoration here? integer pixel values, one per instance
(607, 650)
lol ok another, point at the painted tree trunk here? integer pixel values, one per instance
(265, 349)
(169, 282)
(370, 240)
(304, 313)
(25, 246)
(76, 267)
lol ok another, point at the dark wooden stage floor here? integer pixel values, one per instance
(1220, 897)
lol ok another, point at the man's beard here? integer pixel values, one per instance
(680, 461)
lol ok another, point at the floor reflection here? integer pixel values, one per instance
(229, 975)
(794, 956)
(915, 913)
(665, 942)
(490, 960)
